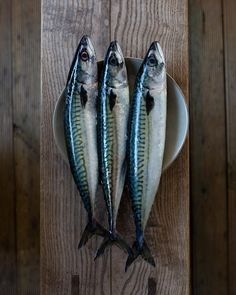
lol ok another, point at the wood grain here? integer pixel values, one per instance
(65, 269)
(208, 149)
(26, 106)
(7, 189)
(135, 24)
(61, 263)
(229, 11)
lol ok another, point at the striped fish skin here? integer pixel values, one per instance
(113, 113)
(147, 139)
(80, 126)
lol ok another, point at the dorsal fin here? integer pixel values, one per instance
(149, 102)
(112, 99)
(83, 96)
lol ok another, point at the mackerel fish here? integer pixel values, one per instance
(146, 143)
(81, 131)
(113, 113)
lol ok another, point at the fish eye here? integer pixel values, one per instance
(113, 60)
(152, 61)
(84, 55)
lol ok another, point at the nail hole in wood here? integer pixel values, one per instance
(75, 285)
(152, 286)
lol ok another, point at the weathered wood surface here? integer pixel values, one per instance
(26, 106)
(7, 190)
(64, 269)
(135, 24)
(208, 149)
(20, 34)
(229, 12)
(19, 146)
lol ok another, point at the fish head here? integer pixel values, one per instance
(153, 68)
(85, 62)
(115, 66)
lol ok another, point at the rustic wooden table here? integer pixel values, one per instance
(64, 269)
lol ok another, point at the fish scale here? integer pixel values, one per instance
(137, 178)
(78, 141)
(113, 110)
(80, 130)
(108, 138)
(146, 144)
(145, 123)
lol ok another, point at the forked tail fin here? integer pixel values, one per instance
(91, 229)
(110, 240)
(144, 251)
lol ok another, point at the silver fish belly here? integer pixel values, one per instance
(114, 147)
(150, 148)
(146, 143)
(113, 113)
(80, 127)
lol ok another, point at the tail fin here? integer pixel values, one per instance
(92, 228)
(144, 252)
(110, 240)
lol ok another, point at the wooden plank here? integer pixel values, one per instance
(26, 110)
(64, 269)
(230, 87)
(7, 183)
(135, 24)
(208, 149)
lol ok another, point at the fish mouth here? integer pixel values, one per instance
(154, 46)
(113, 46)
(114, 51)
(157, 50)
(85, 41)
(86, 49)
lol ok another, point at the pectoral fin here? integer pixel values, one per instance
(112, 99)
(83, 96)
(149, 102)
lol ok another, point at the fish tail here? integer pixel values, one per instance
(137, 251)
(110, 240)
(92, 228)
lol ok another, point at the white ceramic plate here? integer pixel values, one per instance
(177, 116)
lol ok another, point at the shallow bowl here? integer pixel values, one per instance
(177, 115)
